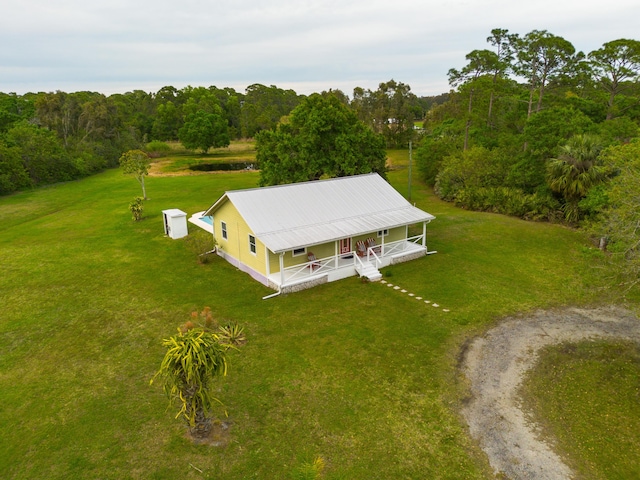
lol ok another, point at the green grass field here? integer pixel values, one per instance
(600, 381)
(358, 374)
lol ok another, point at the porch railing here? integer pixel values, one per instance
(393, 248)
(371, 253)
(359, 262)
(309, 269)
(324, 265)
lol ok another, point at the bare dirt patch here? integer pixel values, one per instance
(495, 365)
(218, 437)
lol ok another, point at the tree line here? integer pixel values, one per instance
(525, 124)
(49, 137)
(534, 128)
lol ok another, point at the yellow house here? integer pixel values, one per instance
(291, 237)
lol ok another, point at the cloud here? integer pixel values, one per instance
(307, 45)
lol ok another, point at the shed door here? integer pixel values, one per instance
(167, 227)
(345, 245)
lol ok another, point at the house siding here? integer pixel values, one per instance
(236, 245)
(395, 234)
(320, 251)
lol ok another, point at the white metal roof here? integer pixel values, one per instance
(298, 215)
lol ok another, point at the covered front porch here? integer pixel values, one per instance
(343, 265)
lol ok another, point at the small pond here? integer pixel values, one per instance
(214, 167)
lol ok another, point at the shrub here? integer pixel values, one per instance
(430, 154)
(87, 162)
(507, 201)
(157, 148)
(232, 334)
(309, 471)
(476, 167)
(136, 208)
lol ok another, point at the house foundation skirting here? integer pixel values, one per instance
(244, 268)
(296, 287)
(407, 258)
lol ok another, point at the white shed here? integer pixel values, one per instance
(175, 223)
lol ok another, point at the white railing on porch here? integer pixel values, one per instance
(358, 263)
(394, 248)
(313, 268)
(371, 252)
(310, 269)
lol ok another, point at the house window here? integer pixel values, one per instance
(383, 233)
(223, 225)
(299, 251)
(252, 244)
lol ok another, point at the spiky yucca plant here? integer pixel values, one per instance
(232, 334)
(194, 358)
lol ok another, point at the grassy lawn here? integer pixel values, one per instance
(356, 373)
(600, 382)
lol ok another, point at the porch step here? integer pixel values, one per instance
(371, 272)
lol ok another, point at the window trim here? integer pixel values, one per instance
(300, 252)
(223, 229)
(383, 233)
(252, 245)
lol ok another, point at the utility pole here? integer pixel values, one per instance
(410, 170)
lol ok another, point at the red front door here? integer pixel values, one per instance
(345, 245)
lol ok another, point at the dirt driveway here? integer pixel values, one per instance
(495, 364)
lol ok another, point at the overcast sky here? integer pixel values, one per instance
(117, 46)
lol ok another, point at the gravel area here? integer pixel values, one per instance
(495, 364)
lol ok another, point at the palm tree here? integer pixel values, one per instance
(195, 356)
(575, 171)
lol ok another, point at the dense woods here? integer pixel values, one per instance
(58, 136)
(534, 129)
(523, 131)
(49, 137)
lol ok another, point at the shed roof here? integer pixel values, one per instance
(299, 215)
(174, 212)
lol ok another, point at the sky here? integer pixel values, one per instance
(117, 46)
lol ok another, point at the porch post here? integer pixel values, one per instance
(424, 234)
(281, 269)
